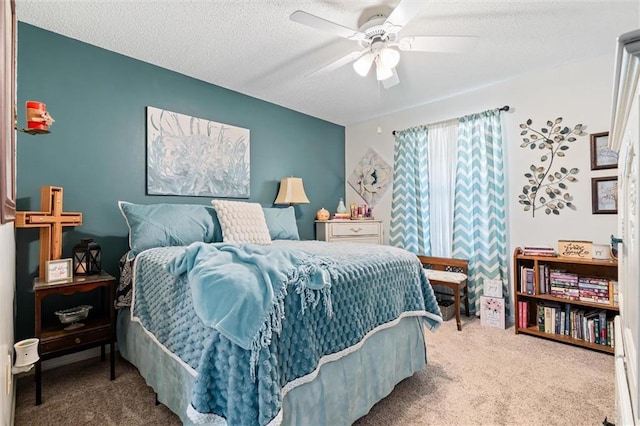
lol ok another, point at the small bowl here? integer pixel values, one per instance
(73, 315)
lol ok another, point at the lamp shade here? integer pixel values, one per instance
(363, 64)
(291, 192)
(389, 57)
(382, 73)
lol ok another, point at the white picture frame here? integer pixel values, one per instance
(492, 312)
(492, 288)
(58, 270)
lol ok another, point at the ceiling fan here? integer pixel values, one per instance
(378, 38)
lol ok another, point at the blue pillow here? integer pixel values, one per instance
(162, 225)
(281, 223)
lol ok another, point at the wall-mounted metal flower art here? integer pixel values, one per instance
(547, 188)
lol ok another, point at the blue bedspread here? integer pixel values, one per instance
(239, 289)
(370, 286)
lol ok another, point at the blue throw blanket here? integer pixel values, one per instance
(370, 287)
(239, 289)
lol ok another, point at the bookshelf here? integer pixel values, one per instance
(560, 298)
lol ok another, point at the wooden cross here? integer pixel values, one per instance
(50, 221)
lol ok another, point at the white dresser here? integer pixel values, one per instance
(352, 231)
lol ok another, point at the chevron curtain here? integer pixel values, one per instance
(479, 223)
(410, 202)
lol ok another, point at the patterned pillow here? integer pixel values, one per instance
(281, 223)
(242, 222)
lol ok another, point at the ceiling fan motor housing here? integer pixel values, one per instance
(374, 31)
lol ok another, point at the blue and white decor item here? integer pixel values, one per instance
(371, 178)
(196, 157)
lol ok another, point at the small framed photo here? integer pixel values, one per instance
(601, 156)
(604, 195)
(58, 270)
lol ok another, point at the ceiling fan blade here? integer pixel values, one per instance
(402, 14)
(337, 63)
(391, 81)
(443, 44)
(322, 24)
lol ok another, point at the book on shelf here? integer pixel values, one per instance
(540, 317)
(523, 314)
(543, 278)
(538, 251)
(527, 280)
(593, 326)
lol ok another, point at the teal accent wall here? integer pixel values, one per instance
(96, 148)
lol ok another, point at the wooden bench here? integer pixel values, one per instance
(450, 273)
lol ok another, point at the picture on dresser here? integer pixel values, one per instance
(196, 157)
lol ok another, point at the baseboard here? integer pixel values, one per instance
(70, 359)
(12, 417)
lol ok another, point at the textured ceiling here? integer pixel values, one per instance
(252, 47)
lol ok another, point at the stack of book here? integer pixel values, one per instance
(564, 285)
(596, 290)
(341, 216)
(538, 251)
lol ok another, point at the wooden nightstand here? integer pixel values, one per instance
(98, 329)
(352, 231)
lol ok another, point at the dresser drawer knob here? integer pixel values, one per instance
(355, 229)
(78, 340)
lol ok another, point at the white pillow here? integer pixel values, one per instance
(242, 222)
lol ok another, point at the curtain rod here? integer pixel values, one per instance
(504, 108)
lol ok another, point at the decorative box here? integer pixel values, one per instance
(574, 248)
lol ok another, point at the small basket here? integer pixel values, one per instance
(447, 307)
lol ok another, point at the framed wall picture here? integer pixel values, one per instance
(7, 112)
(196, 157)
(58, 270)
(604, 195)
(602, 157)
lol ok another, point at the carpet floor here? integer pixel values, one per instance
(479, 376)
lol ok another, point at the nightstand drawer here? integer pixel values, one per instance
(353, 229)
(54, 344)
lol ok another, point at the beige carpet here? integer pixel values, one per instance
(479, 376)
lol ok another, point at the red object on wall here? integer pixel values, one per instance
(36, 112)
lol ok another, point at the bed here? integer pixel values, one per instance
(229, 328)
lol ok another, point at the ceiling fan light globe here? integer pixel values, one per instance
(389, 57)
(382, 72)
(363, 64)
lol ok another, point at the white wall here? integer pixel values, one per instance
(7, 294)
(579, 92)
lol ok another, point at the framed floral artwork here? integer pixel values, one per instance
(604, 195)
(602, 157)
